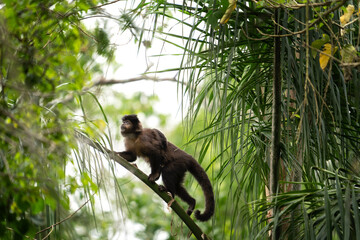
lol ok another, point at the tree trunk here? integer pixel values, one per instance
(276, 125)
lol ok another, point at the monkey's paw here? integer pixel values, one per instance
(162, 188)
(153, 177)
(134, 164)
(171, 201)
(189, 211)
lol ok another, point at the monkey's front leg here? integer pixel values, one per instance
(128, 155)
(155, 170)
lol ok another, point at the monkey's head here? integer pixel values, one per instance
(131, 124)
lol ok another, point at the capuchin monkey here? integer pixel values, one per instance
(167, 160)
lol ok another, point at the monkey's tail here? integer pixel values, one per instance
(200, 175)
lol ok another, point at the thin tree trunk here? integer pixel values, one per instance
(276, 125)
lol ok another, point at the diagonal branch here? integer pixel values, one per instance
(194, 228)
(103, 82)
(58, 223)
(316, 21)
(105, 4)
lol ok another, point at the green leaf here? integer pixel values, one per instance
(82, 5)
(328, 216)
(102, 40)
(85, 179)
(317, 44)
(37, 206)
(355, 207)
(51, 202)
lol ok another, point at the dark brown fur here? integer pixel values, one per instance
(168, 160)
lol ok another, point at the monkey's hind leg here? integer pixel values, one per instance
(162, 188)
(184, 195)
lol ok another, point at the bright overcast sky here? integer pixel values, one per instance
(134, 62)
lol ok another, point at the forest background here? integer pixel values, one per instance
(269, 96)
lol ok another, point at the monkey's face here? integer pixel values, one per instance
(127, 127)
(130, 125)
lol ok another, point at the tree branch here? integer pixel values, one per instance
(296, 5)
(104, 81)
(105, 4)
(316, 21)
(68, 217)
(194, 228)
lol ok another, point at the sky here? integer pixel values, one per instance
(134, 61)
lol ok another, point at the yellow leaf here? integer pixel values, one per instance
(325, 55)
(225, 18)
(344, 19)
(100, 124)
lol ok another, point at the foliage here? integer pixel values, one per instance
(46, 59)
(146, 210)
(228, 69)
